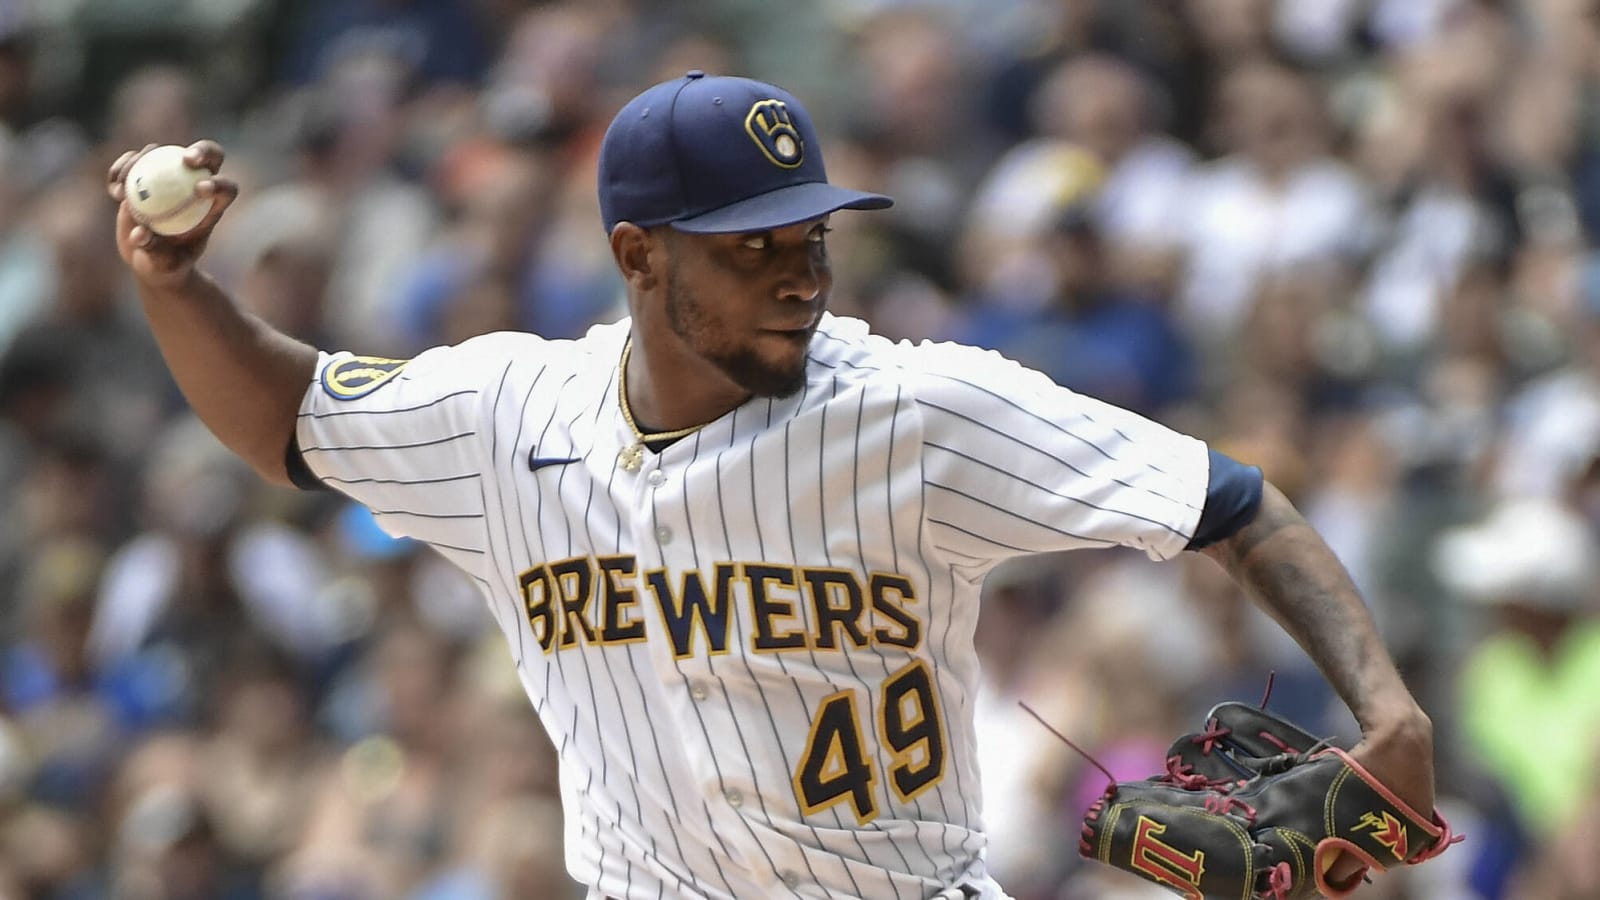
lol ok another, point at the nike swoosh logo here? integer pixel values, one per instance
(535, 463)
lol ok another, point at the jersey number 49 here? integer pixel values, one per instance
(836, 766)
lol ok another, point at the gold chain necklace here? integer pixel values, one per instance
(631, 457)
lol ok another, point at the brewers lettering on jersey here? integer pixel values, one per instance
(735, 543)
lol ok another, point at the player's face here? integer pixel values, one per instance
(749, 303)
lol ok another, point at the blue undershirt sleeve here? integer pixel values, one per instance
(1233, 497)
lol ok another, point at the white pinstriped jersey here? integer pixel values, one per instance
(754, 654)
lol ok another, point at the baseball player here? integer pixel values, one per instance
(735, 543)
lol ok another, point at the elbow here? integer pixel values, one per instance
(273, 458)
(1270, 516)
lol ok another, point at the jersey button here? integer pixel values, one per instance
(664, 535)
(735, 799)
(656, 478)
(698, 691)
(791, 880)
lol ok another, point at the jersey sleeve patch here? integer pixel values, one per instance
(358, 376)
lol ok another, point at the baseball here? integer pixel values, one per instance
(161, 191)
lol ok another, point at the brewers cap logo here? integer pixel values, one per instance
(770, 125)
(359, 376)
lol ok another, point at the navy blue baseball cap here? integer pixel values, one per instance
(714, 155)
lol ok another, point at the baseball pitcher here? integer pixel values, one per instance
(736, 543)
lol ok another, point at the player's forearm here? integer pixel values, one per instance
(1291, 572)
(244, 379)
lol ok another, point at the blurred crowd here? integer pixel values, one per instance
(1355, 242)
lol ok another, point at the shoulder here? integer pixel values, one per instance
(485, 365)
(849, 350)
(514, 352)
(599, 339)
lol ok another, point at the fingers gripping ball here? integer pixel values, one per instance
(161, 191)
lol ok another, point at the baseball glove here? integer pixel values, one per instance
(1254, 807)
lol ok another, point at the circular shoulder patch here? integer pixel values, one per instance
(359, 376)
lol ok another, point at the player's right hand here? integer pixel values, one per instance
(158, 261)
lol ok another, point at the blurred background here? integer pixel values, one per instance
(1351, 241)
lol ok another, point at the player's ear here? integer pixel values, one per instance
(637, 255)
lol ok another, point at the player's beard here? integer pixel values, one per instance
(688, 319)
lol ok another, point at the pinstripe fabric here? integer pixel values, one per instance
(833, 543)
